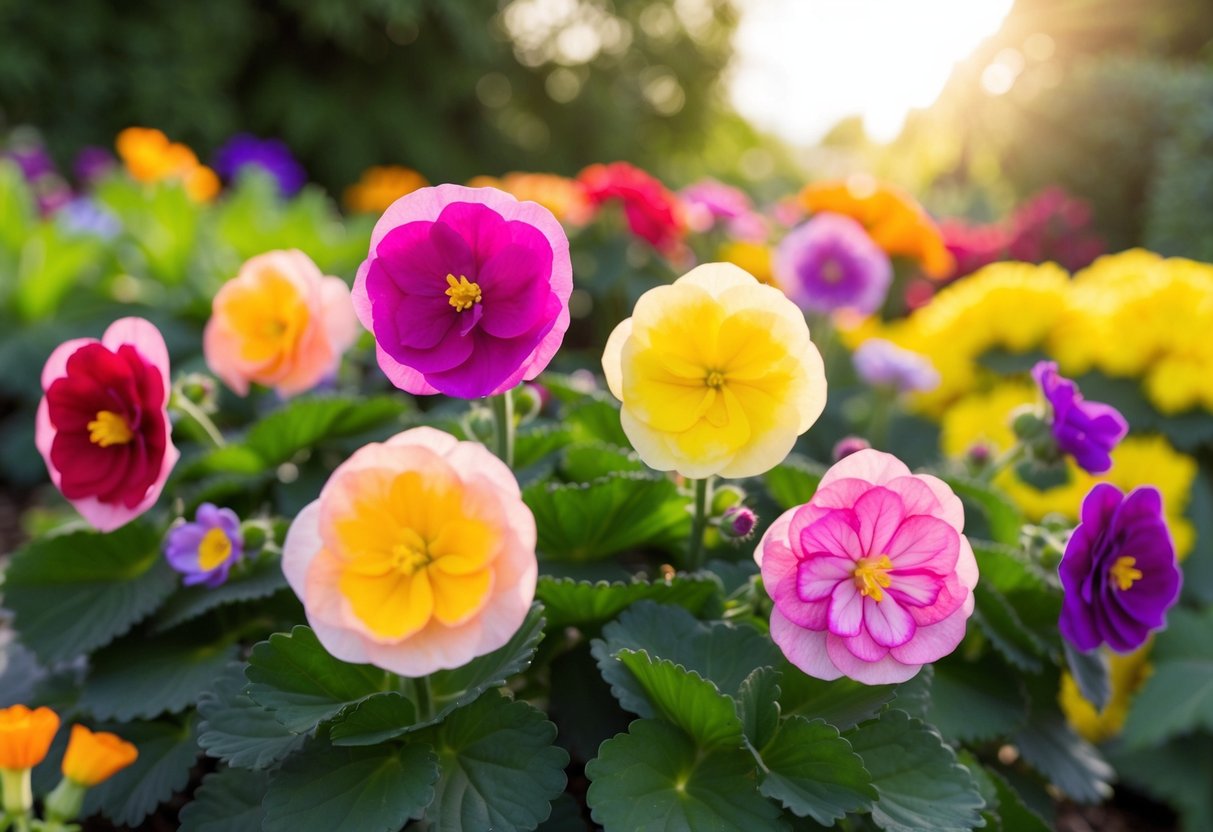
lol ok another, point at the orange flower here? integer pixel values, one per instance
(93, 758)
(564, 197)
(380, 186)
(149, 156)
(25, 736)
(894, 220)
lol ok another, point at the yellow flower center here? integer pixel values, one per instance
(462, 292)
(412, 554)
(715, 379)
(1125, 572)
(214, 550)
(109, 428)
(831, 271)
(268, 316)
(871, 576)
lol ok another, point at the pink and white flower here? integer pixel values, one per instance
(872, 578)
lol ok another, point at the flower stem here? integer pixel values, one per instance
(699, 524)
(424, 697)
(503, 427)
(1017, 452)
(184, 405)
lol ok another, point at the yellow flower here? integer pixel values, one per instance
(1126, 674)
(25, 736)
(380, 186)
(716, 374)
(93, 758)
(755, 258)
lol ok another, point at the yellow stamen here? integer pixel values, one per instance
(871, 578)
(1125, 573)
(412, 554)
(109, 429)
(715, 379)
(214, 549)
(462, 292)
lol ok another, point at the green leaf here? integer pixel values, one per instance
(167, 752)
(1090, 672)
(597, 419)
(686, 699)
(72, 593)
(974, 701)
(1009, 569)
(590, 521)
(758, 705)
(227, 801)
(919, 781)
(1178, 772)
(535, 442)
(389, 715)
(143, 678)
(654, 779)
(842, 702)
(1177, 697)
(588, 461)
(588, 605)
(813, 772)
(1013, 814)
(794, 481)
(236, 729)
(374, 789)
(258, 580)
(1071, 763)
(499, 768)
(296, 678)
(1002, 624)
(1003, 517)
(721, 652)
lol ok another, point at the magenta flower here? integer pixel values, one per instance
(1087, 431)
(882, 363)
(204, 551)
(466, 290)
(831, 263)
(708, 202)
(1119, 571)
(872, 578)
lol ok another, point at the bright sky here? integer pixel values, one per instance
(802, 65)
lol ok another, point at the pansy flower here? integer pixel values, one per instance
(830, 263)
(103, 426)
(1087, 431)
(466, 291)
(205, 550)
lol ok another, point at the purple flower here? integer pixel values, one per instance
(1119, 571)
(466, 291)
(882, 363)
(709, 201)
(92, 163)
(85, 215)
(738, 522)
(831, 263)
(1087, 431)
(848, 445)
(204, 551)
(270, 155)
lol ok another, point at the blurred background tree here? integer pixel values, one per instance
(453, 88)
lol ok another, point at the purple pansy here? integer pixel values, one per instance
(466, 291)
(1119, 571)
(882, 363)
(1087, 431)
(831, 263)
(204, 551)
(269, 155)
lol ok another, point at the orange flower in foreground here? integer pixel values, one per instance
(149, 156)
(893, 219)
(93, 758)
(25, 736)
(380, 186)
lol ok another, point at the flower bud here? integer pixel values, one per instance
(849, 445)
(738, 523)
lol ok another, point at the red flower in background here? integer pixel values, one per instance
(652, 211)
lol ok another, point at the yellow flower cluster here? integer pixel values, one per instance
(1126, 674)
(1136, 461)
(149, 156)
(1139, 315)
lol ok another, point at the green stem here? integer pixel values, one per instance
(182, 403)
(424, 696)
(703, 496)
(503, 427)
(1006, 460)
(883, 402)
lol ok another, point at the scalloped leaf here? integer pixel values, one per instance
(227, 801)
(589, 605)
(72, 593)
(654, 779)
(686, 699)
(236, 729)
(260, 579)
(167, 752)
(813, 772)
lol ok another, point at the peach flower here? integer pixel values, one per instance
(419, 555)
(280, 323)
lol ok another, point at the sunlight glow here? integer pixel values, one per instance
(802, 65)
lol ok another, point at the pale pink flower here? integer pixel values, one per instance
(872, 578)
